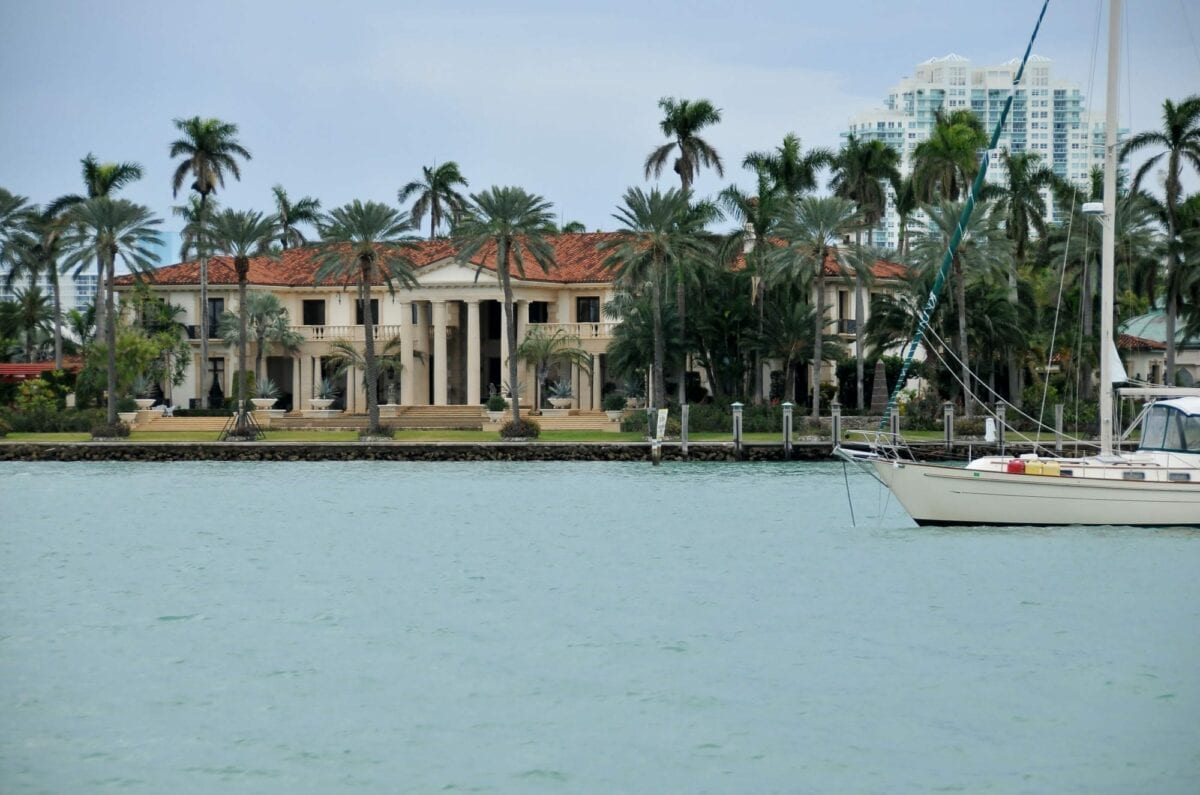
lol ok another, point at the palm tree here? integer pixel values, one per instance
(861, 171)
(44, 252)
(1180, 137)
(812, 232)
(984, 251)
(513, 224)
(367, 243)
(792, 170)
(190, 235)
(1019, 201)
(242, 235)
(906, 204)
(15, 215)
(210, 149)
(682, 121)
(543, 350)
(659, 230)
(304, 211)
(757, 217)
(267, 324)
(435, 194)
(110, 230)
(388, 362)
(946, 162)
(99, 179)
(31, 315)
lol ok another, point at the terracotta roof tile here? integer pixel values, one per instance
(576, 255)
(1128, 342)
(882, 269)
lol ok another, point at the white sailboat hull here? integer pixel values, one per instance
(942, 495)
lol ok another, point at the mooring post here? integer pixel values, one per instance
(948, 424)
(1058, 426)
(835, 422)
(1001, 416)
(650, 414)
(894, 422)
(787, 431)
(683, 429)
(737, 428)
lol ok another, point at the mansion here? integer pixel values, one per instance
(451, 326)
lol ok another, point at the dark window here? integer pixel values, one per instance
(415, 314)
(358, 311)
(314, 312)
(539, 312)
(216, 307)
(587, 309)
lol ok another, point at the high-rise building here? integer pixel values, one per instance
(77, 291)
(1048, 117)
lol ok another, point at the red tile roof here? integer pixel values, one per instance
(575, 254)
(577, 259)
(882, 269)
(19, 371)
(1128, 342)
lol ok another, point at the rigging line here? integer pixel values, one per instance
(1062, 279)
(984, 387)
(968, 207)
(849, 501)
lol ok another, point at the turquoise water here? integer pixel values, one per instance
(599, 628)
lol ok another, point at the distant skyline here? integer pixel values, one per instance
(350, 100)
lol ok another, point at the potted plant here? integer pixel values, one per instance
(614, 406)
(142, 388)
(496, 404)
(325, 393)
(127, 410)
(560, 394)
(265, 394)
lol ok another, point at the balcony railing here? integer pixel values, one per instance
(847, 326)
(585, 331)
(351, 333)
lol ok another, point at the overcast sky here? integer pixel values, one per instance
(345, 100)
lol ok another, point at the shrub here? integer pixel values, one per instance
(614, 401)
(971, 427)
(69, 420)
(523, 428)
(126, 404)
(5, 428)
(36, 397)
(384, 432)
(118, 430)
(496, 402)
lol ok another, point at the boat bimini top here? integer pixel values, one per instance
(1172, 425)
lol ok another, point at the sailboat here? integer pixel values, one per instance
(1157, 485)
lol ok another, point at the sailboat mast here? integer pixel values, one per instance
(1109, 224)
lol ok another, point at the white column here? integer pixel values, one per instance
(525, 371)
(439, 354)
(471, 328)
(406, 354)
(596, 382)
(298, 398)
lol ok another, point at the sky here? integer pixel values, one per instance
(348, 100)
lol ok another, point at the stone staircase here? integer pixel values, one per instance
(445, 417)
(182, 424)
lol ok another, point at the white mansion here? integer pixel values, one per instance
(451, 325)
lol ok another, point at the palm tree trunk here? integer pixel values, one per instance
(203, 300)
(680, 303)
(658, 386)
(110, 336)
(818, 341)
(58, 346)
(371, 377)
(858, 323)
(760, 296)
(789, 381)
(960, 290)
(243, 391)
(260, 343)
(1172, 302)
(1086, 298)
(1014, 387)
(98, 301)
(509, 315)
(434, 216)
